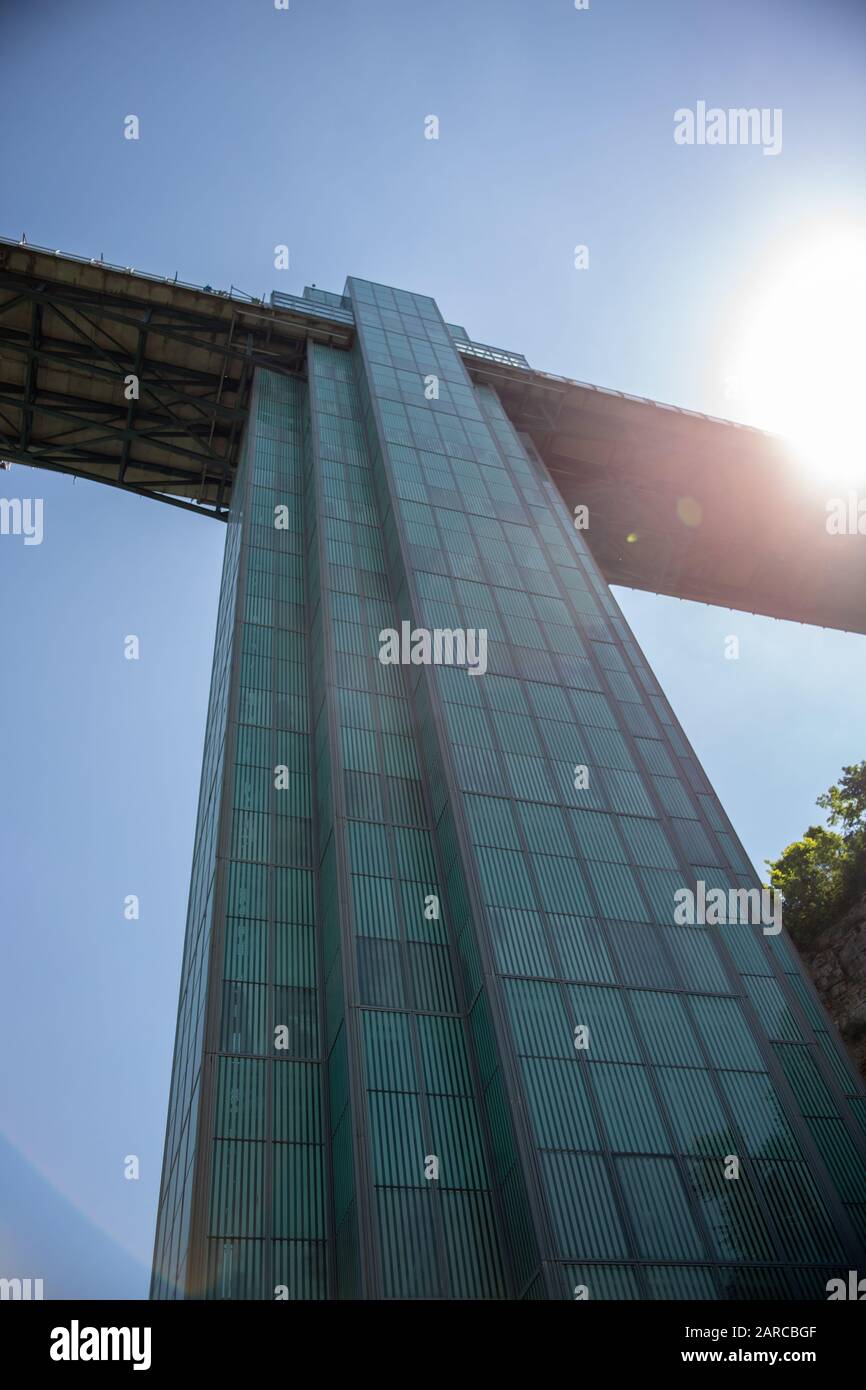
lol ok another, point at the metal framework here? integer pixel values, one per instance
(679, 503)
(74, 332)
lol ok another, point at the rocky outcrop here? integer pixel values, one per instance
(836, 960)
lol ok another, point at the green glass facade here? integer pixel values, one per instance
(416, 890)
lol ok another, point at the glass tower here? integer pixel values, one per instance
(440, 1032)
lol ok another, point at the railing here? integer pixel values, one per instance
(491, 354)
(313, 308)
(240, 296)
(659, 405)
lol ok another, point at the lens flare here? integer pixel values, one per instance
(801, 365)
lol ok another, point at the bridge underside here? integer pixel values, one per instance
(72, 333)
(678, 503)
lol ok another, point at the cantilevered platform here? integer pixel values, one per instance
(72, 330)
(679, 503)
(685, 504)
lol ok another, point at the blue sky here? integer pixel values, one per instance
(305, 127)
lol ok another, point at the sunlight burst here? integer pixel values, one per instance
(801, 364)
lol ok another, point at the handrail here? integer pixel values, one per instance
(237, 295)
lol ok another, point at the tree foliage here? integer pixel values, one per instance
(823, 874)
(846, 804)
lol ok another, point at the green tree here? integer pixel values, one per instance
(810, 875)
(821, 875)
(846, 804)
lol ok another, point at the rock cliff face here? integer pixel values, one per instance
(836, 960)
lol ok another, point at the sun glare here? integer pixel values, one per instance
(800, 367)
